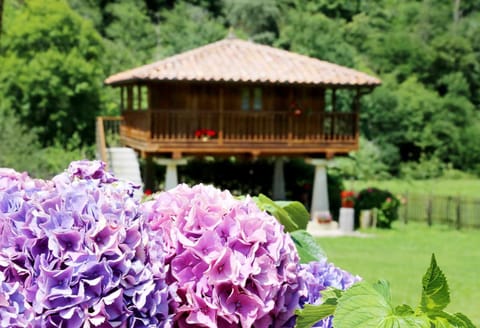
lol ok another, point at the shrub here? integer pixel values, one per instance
(425, 168)
(383, 200)
(242, 177)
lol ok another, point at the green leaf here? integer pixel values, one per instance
(331, 292)
(307, 247)
(266, 204)
(466, 321)
(435, 294)
(404, 310)
(365, 306)
(311, 314)
(298, 213)
(383, 288)
(447, 320)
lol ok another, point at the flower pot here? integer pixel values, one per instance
(346, 219)
(365, 219)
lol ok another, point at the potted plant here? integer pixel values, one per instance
(205, 134)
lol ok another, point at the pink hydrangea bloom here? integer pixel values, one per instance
(231, 263)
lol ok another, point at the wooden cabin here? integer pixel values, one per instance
(238, 97)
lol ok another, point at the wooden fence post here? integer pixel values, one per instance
(449, 200)
(429, 210)
(458, 221)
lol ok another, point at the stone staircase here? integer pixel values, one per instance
(123, 162)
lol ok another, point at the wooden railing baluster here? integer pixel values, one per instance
(282, 127)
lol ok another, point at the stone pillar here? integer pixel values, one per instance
(171, 177)
(278, 180)
(320, 190)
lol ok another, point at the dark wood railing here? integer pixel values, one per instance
(233, 126)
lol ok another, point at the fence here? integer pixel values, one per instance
(458, 212)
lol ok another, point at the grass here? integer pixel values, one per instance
(441, 187)
(402, 255)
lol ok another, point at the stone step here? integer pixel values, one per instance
(123, 162)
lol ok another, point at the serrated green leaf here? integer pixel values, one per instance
(266, 204)
(365, 306)
(307, 247)
(298, 213)
(435, 294)
(311, 314)
(466, 321)
(383, 287)
(447, 320)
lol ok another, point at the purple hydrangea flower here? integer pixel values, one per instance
(14, 310)
(231, 263)
(318, 276)
(75, 250)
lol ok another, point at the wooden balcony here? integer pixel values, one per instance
(257, 133)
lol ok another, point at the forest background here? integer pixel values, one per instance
(422, 122)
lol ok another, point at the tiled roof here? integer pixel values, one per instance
(235, 60)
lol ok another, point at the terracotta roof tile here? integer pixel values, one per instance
(243, 61)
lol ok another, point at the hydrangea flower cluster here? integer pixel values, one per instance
(81, 251)
(74, 253)
(320, 275)
(231, 263)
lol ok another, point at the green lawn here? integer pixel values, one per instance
(443, 187)
(402, 255)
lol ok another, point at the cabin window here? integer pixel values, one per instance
(330, 100)
(257, 99)
(245, 99)
(140, 97)
(143, 101)
(129, 97)
(252, 99)
(122, 99)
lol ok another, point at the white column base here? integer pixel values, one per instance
(320, 203)
(171, 176)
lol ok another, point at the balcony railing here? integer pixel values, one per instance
(237, 126)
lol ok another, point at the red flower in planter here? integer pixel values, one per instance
(348, 198)
(205, 133)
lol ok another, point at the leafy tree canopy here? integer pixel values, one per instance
(54, 56)
(187, 26)
(50, 73)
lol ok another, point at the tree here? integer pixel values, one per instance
(315, 35)
(258, 19)
(186, 27)
(51, 74)
(1, 17)
(130, 27)
(19, 146)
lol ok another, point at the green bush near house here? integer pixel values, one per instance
(382, 200)
(253, 177)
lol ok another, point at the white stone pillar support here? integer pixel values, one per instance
(278, 180)
(171, 177)
(320, 188)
